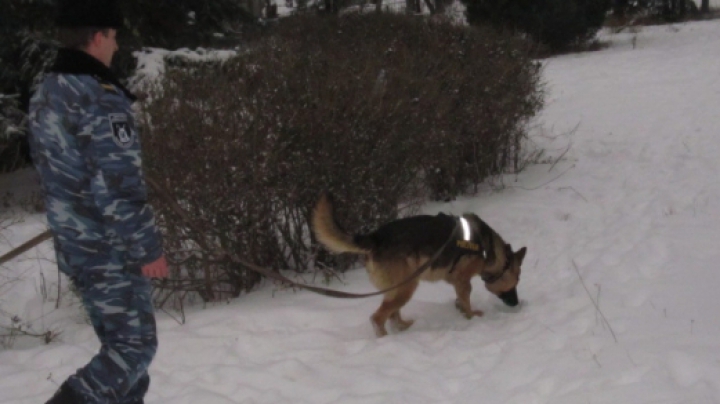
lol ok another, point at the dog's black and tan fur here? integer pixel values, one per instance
(397, 249)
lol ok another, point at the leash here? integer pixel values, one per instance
(46, 235)
(26, 246)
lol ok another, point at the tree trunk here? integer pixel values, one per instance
(705, 7)
(331, 7)
(430, 6)
(620, 8)
(256, 8)
(412, 6)
(440, 6)
(666, 7)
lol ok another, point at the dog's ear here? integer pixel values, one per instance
(520, 255)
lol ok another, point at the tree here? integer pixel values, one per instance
(27, 47)
(24, 54)
(620, 8)
(555, 23)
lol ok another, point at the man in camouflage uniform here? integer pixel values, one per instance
(86, 149)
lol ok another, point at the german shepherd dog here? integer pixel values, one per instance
(397, 249)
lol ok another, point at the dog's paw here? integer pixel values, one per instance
(380, 330)
(404, 324)
(468, 312)
(473, 313)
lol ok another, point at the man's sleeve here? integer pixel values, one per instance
(113, 155)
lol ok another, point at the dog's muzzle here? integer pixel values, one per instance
(510, 297)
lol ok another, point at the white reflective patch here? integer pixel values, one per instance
(466, 229)
(123, 135)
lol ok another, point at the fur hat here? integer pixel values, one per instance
(88, 13)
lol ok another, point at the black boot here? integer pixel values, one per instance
(66, 395)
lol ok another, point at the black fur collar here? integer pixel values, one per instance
(73, 61)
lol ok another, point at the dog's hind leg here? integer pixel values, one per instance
(390, 308)
(379, 318)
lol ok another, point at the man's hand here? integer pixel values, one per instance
(156, 269)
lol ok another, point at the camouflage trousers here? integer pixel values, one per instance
(117, 298)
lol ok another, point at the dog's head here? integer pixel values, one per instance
(498, 265)
(503, 284)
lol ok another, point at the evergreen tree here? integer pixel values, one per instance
(24, 54)
(27, 47)
(555, 23)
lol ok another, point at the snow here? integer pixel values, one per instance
(628, 220)
(151, 63)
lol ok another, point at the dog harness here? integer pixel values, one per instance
(465, 246)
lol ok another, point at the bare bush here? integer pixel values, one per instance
(12, 130)
(382, 110)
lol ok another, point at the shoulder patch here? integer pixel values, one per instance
(122, 133)
(108, 87)
(105, 85)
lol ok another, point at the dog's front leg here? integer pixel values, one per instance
(463, 290)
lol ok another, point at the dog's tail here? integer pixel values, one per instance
(327, 231)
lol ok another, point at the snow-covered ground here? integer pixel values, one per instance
(619, 289)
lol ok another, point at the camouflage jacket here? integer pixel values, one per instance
(85, 146)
